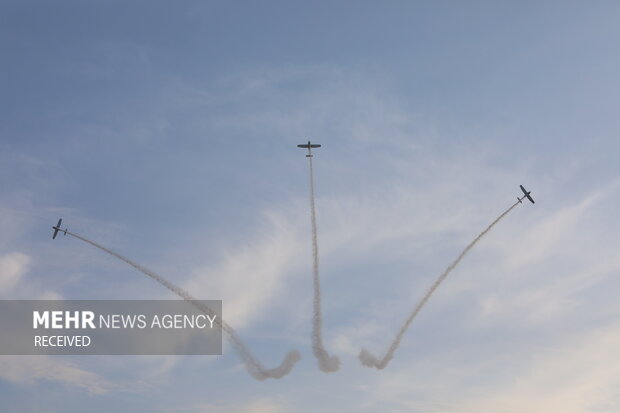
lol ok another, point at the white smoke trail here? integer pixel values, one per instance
(252, 365)
(327, 363)
(369, 360)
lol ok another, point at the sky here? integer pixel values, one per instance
(167, 131)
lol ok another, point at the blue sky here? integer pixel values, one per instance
(167, 132)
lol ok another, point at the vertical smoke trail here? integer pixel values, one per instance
(252, 365)
(327, 363)
(370, 360)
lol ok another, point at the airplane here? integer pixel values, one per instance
(309, 146)
(526, 195)
(57, 228)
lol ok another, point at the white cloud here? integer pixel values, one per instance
(577, 375)
(574, 372)
(12, 268)
(249, 277)
(546, 269)
(13, 285)
(30, 369)
(538, 341)
(260, 405)
(553, 233)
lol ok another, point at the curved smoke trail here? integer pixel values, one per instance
(252, 365)
(327, 363)
(369, 360)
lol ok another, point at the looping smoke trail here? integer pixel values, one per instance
(327, 363)
(369, 360)
(252, 365)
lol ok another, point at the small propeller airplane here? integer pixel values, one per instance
(57, 228)
(309, 146)
(526, 195)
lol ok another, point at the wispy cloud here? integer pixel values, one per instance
(260, 405)
(575, 375)
(31, 369)
(12, 267)
(252, 274)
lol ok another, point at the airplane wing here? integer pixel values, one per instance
(309, 146)
(56, 228)
(527, 194)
